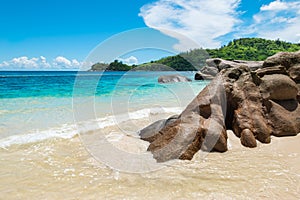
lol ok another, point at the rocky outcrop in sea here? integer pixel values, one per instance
(253, 99)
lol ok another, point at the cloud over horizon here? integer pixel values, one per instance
(40, 63)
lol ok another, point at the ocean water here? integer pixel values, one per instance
(38, 101)
(52, 126)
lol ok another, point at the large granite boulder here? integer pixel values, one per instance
(254, 104)
(278, 87)
(173, 79)
(183, 137)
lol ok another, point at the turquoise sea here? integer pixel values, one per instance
(32, 102)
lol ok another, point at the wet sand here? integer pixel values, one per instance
(63, 169)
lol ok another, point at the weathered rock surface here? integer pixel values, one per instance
(149, 132)
(215, 65)
(278, 87)
(201, 76)
(173, 79)
(255, 104)
(248, 139)
(285, 59)
(294, 73)
(224, 64)
(213, 71)
(271, 70)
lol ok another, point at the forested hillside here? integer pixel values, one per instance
(255, 49)
(252, 49)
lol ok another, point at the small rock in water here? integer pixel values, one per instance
(173, 79)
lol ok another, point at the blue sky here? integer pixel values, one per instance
(54, 34)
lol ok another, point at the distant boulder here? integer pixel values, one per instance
(173, 79)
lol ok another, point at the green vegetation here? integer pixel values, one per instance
(172, 62)
(255, 49)
(114, 66)
(188, 61)
(99, 67)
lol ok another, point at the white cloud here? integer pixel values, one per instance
(129, 61)
(41, 63)
(282, 20)
(25, 63)
(75, 62)
(279, 19)
(200, 20)
(62, 61)
(275, 6)
(4, 64)
(44, 63)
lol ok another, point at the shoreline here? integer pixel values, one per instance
(57, 166)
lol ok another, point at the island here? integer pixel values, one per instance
(254, 49)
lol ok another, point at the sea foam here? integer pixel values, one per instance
(67, 131)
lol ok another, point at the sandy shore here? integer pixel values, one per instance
(285, 147)
(62, 169)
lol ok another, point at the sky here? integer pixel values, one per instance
(66, 35)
